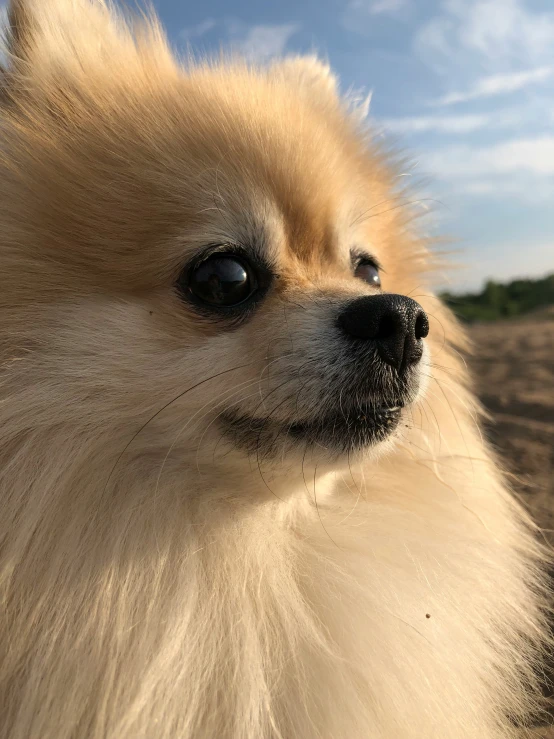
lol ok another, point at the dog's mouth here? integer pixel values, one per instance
(341, 430)
(364, 422)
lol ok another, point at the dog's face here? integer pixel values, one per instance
(214, 263)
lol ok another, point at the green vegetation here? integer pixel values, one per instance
(498, 300)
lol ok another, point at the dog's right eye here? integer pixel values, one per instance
(221, 281)
(368, 271)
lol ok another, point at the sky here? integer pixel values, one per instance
(465, 87)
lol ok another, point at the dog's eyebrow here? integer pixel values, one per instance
(357, 255)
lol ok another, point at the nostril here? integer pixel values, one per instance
(421, 328)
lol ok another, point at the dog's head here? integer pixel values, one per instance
(216, 262)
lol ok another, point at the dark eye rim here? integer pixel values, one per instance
(258, 271)
(359, 258)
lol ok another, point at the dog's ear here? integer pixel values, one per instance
(53, 45)
(19, 30)
(48, 44)
(42, 34)
(309, 75)
(42, 31)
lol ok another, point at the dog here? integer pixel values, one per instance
(243, 489)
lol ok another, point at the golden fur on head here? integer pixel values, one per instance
(157, 579)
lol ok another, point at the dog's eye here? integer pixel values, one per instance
(222, 280)
(368, 271)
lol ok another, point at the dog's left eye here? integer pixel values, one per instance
(221, 281)
(368, 271)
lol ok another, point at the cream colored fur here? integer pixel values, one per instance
(157, 583)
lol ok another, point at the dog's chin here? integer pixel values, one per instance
(338, 432)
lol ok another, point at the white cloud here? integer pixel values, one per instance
(198, 30)
(501, 35)
(262, 42)
(442, 124)
(535, 117)
(432, 42)
(504, 29)
(521, 170)
(360, 15)
(497, 84)
(519, 260)
(524, 190)
(385, 7)
(534, 156)
(255, 42)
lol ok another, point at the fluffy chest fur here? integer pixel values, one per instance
(402, 608)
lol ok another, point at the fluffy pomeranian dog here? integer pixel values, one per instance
(243, 492)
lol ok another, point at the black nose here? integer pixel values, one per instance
(395, 323)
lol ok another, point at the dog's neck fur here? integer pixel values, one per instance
(183, 614)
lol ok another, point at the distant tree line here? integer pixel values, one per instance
(498, 300)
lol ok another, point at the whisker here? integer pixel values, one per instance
(218, 415)
(349, 488)
(190, 420)
(265, 423)
(368, 214)
(164, 407)
(315, 496)
(457, 422)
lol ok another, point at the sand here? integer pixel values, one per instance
(514, 370)
(513, 366)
